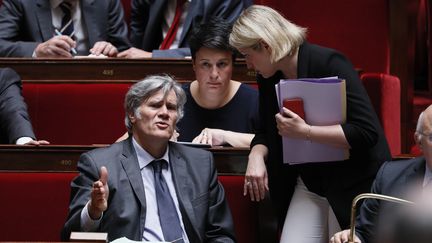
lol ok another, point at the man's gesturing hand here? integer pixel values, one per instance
(99, 195)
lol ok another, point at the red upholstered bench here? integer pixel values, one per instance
(244, 212)
(34, 206)
(385, 92)
(76, 113)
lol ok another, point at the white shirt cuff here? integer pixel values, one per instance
(23, 140)
(87, 223)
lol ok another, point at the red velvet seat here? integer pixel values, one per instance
(92, 113)
(348, 26)
(244, 212)
(77, 113)
(384, 92)
(34, 206)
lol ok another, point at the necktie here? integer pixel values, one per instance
(168, 217)
(172, 31)
(67, 27)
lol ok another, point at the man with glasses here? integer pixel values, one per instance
(408, 179)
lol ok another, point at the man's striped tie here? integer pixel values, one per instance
(67, 27)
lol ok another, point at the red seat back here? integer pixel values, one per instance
(359, 29)
(76, 113)
(384, 92)
(33, 205)
(244, 212)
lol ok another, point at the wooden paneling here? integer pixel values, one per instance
(111, 69)
(64, 158)
(402, 49)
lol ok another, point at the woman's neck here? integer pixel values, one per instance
(288, 65)
(213, 100)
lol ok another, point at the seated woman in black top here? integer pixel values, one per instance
(218, 111)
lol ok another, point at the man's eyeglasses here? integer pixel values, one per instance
(429, 136)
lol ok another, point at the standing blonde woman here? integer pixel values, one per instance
(314, 198)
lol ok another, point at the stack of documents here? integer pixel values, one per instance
(324, 103)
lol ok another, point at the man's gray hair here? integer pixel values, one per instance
(419, 126)
(144, 89)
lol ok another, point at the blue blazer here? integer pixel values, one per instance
(25, 24)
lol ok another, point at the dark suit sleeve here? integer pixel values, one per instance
(227, 9)
(140, 15)
(220, 224)
(266, 111)
(11, 22)
(80, 194)
(117, 28)
(14, 119)
(367, 219)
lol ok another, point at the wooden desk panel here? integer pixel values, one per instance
(110, 69)
(64, 158)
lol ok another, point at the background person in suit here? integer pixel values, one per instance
(15, 125)
(398, 179)
(408, 223)
(116, 190)
(151, 21)
(315, 192)
(27, 28)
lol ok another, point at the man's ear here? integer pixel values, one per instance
(132, 117)
(417, 139)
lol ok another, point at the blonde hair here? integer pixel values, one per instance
(260, 23)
